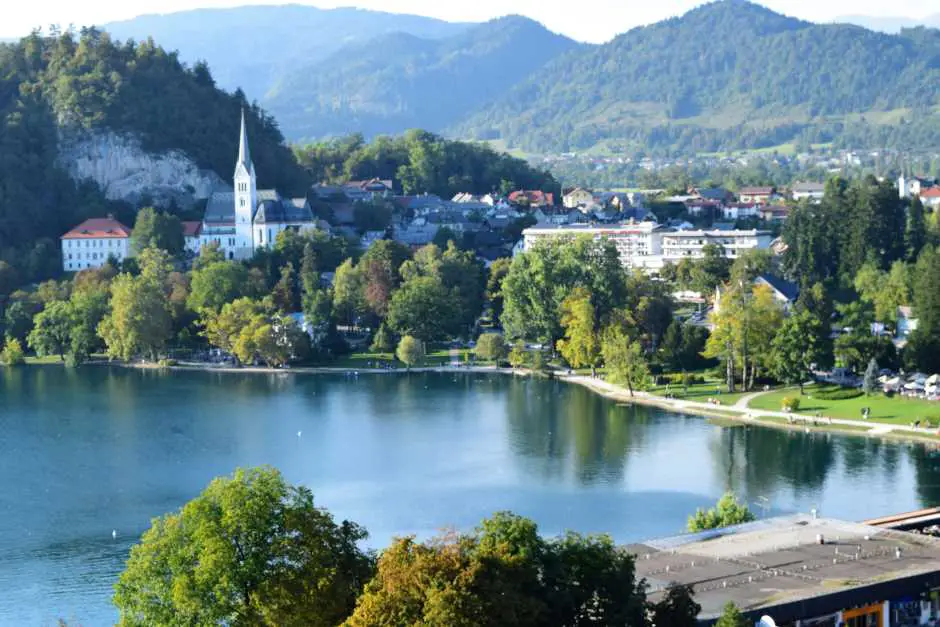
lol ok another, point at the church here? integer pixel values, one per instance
(248, 218)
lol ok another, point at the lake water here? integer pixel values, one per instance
(86, 451)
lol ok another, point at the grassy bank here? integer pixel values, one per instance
(895, 411)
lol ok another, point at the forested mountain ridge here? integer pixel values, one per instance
(400, 81)
(253, 47)
(730, 74)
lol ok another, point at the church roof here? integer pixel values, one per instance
(279, 210)
(220, 209)
(244, 156)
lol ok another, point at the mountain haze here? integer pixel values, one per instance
(730, 74)
(401, 81)
(891, 25)
(253, 47)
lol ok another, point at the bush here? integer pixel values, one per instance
(683, 378)
(166, 363)
(12, 354)
(790, 403)
(838, 394)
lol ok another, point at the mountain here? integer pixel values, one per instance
(726, 75)
(401, 81)
(253, 47)
(891, 25)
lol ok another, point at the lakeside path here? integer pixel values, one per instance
(738, 412)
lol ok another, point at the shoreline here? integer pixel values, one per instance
(737, 413)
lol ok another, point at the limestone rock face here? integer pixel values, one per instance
(125, 171)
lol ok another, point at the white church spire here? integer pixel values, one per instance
(244, 157)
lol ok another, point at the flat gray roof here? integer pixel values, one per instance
(779, 561)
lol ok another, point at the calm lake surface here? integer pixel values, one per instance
(86, 451)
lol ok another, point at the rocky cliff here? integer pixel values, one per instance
(125, 171)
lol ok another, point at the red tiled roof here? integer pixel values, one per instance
(192, 229)
(756, 191)
(99, 228)
(933, 192)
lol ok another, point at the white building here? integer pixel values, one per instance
(93, 242)
(191, 236)
(680, 245)
(813, 192)
(639, 245)
(246, 219)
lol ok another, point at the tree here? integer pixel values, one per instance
(870, 382)
(727, 512)
(623, 358)
(88, 306)
(349, 301)
(494, 285)
(677, 608)
(731, 616)
(284, 293)
(371, 216)
(249, 550)
(490, 347)
(216, 283)
(581, 344)
(255, 331)
(12, 354)
(915, 231)
(517, 356)
(52, 330)
(140, 320)
(156, 229)
(18, 319)
(796, 348)
(422, 307)
(410, 351)
(885, 291)
(384, 341)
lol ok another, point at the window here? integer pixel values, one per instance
(241, 202)
(269, 236)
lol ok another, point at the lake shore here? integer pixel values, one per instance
(738, 413)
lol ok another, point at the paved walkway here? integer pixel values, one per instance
(741, 406)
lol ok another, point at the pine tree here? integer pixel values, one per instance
(915, 232)
(871, 377)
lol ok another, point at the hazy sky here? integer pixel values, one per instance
(586, 20)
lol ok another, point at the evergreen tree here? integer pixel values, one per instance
(915, 233)
(870, 382)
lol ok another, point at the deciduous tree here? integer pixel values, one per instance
(727, 512)
(410, 351)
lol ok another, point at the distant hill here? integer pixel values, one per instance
(253, 47)
(891, 25)
(401, 81)
(727, 75)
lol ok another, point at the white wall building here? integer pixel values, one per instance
(93, 242)
(648, 246)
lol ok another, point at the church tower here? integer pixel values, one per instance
(246, 197)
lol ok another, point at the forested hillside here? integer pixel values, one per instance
(726, 75)
(68, 83)
(254, 47)
(401, 81)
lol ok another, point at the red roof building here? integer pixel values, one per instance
(99, 228)
(93, 242)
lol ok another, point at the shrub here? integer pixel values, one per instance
(684, 378)
(838, 394)
(12, 354)
(166, 363)
(790, 403)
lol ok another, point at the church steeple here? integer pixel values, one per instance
(244, 157)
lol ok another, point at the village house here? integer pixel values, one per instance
(191, 233)
(813, 192)
(931, 197)
(758, 195)
(578, 197)
(774, 213)
(93, 242)
(740, 210)
(532, 198)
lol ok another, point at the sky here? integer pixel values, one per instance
(585, 20)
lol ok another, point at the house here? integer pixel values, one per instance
(532, 198)
(371, 188)
(774, 213)
(699, 206)
(247, 219)
(578, 197)
(740, 210)
(191, 233)
(931, 197)
(612, 200)
(758, 195)
(93, 242)
(813, 192)
(717, 194)
(784, 292)
(909, 187)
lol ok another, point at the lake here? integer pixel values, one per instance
(84, 452)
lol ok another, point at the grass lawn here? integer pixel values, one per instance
(780, 420)
(700, 392)
(37, 361)
(896, 410)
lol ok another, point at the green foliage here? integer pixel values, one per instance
(581, 344)
(790, 403)
(731, 616)
(727, 512)
(157, 229)
(410, 351)
(491, 347)
(215, 283)
(51, 334)
(796, 348)
(870, 381)
(253, 330)
(677, 608)
(518, 355)
(504, 573)
(422, 162)
(383, 342)
(12, 354)
(423, 308)
(838, 394)
(732, 92)
(624, 358)
(249, 550)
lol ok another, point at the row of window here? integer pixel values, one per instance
(92, 243)
(95, 256)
